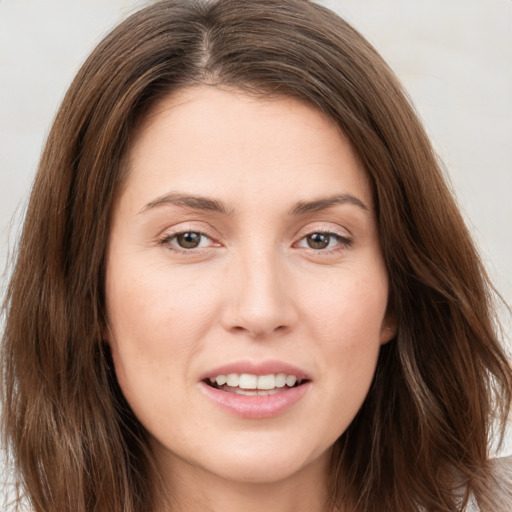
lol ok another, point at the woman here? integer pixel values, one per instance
(242, 282)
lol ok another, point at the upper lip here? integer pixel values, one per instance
(256, 368)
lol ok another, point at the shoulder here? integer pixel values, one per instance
(500, 488)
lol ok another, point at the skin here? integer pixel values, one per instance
(254, 289)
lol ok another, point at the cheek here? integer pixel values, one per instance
(346, 319)
(157, 320)
(349, 308)
(160, 304)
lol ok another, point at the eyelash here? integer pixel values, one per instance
(343, 242)
(168, 238)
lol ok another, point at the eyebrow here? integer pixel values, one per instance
(303, 207)
(188, 201)
(214, 205)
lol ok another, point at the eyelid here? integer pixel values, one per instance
(168, 234)
(189, 226)
(323, 227)
(343, 235)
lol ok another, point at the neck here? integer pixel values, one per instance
(192, 489)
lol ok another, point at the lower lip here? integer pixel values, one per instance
(255, 407)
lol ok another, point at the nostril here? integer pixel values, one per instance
(259, 331)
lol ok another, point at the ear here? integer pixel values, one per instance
(389, 328)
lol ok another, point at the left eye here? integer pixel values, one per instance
(188, 240)
(319, 241)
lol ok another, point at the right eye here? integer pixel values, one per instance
(187, 241)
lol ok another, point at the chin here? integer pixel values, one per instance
(267, 471)
(264, 462)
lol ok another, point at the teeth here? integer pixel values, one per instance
(250, 384)
(280, 380)
(233, 380)
(266, 382)
(291, 380)
(248, 381)
(264, 392)
(221, 380)
(250, 392)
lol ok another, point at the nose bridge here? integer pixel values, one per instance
(259, 303)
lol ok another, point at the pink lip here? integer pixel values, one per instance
(256, 368)
(256, 406)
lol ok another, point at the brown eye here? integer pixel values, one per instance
(188, 240)
(324, 242)
(318, 240)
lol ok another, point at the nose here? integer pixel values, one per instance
(258, 299)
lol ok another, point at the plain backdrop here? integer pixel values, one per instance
(454, 57)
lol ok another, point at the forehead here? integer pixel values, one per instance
(233, 146)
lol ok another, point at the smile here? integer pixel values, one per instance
(255, 391)
(254, 385)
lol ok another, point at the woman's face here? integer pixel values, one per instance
(244, 249)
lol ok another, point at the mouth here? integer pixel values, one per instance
(249, 384)
(256, 390)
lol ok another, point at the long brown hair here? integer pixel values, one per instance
(421, 438)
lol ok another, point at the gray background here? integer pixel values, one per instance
(454, 57)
